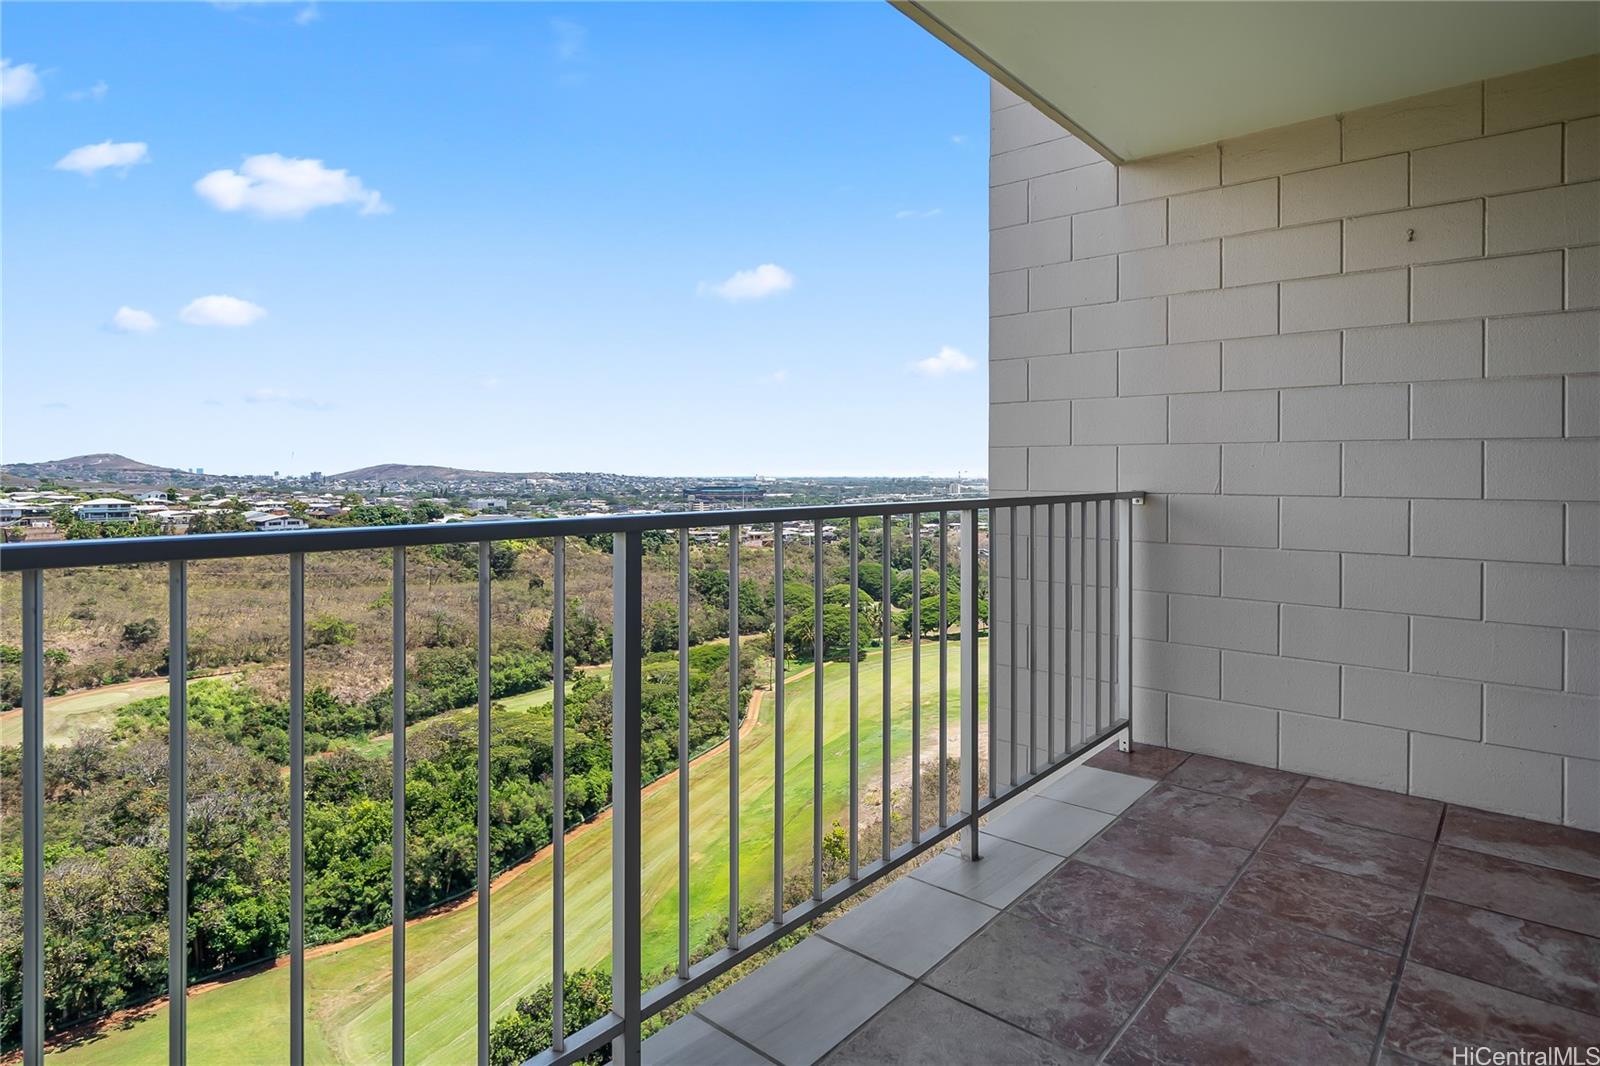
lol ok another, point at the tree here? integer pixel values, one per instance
(138, 634)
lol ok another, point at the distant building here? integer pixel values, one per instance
(487, 503)
(105, 510)
(724, 494)
(264, 521)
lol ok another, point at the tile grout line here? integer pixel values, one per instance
(735, 1037)
(1405, 948)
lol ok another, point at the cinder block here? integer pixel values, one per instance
(1452, 588)
(1481, 529)
(1169, 467)
(1488, 166)
(1567, 343)
(1374, 299)
(1128, 324)
(1484, 651)
(1542, 595)
(1583, 662)
(1454, 410)
(1346, 412)
(1008, 292)
(1044, 422)
(1223, 417)
(1478, 287)
(1583, 150)
(1411, 701)
(1120, 229)
(1349, 751)
(1008, 205)
(1284, 684)
(1067, 377)
(1120, 420)
(1583, 406)
(1416, 122)
(1349, 525)
(1040, 159)
(1008, 469)
(1171, 368)
(1183, 668)
(1583, 534)
(1008, 381)
(1226, 730)
(1426, 235)
(1019, 127)
(1149, 717)
(1251, 311)
(1082, 281)
(1583, 277)
(1281, 362)
(1435, 351)
(1224, 212)
(1547, 218)
(1281, 151)
(1215, 622)
(1149, 616)
(1341, 191)
(1274, 255)
(1281, 576)
(1071, 191)
(1182, 568)
(1541, 470)
(1186, 171)
(1245, 521)
(1072, 469)
(1030, 244)
(1435, 469)
(1281, 469)
(1360, 638)
(1547, 94)
(1174, 268)
(1542, 721)
(1034, 333)
(1150, 519)
(1523, 783)
(1583, 794)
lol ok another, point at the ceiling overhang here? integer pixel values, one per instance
(1139, 79)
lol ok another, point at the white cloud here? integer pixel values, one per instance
(948, 361)
(221, 311)
(307, 15)
(958, 138)
(287, 398)
(95, 93)
(19, 83)
(763, 281)
(275, 186)
(133, 320)
(932, 212)
(92, 158)
(571, 37)
(777, 377)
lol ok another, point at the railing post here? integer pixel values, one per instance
(626, 656)
(297, 809)
(177, 809)
(485, 871)
(33, 817)
(969, 681)
(397, 828)
(1125, 625)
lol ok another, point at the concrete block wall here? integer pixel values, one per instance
(1357, 364)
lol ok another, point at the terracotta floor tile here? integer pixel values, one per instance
(1146, 760)
(1373, 808)
(1537, 893)
(1357, 909)
(1218, 819)
(1350, 849)
(1437, 1012)
(1556, 846)
(1537, 960)
(1134, 917)
(1161, 857)
(1271, 790)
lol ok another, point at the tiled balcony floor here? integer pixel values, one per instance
(1167, 908)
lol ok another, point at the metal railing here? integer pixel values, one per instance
(1094, 682)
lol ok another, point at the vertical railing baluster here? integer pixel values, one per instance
(819, 652)
(1066, 635)
(916, 678)
(777, 723)
(1083, 617)
(733, 737)
(626, 798)
(944, 669)
(32, 773)
(1015, 618)
(485, 692)
(683, 754)
(994, 654)
(1033, 640)
(1050, 633)
(887, 637)
(968, 592)
(855, 697)
(397, 862)
(177, 811)
(1099, 662)
(297, 809)
(558, 797)
(1125, 626)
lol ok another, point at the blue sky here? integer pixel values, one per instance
(648, 238)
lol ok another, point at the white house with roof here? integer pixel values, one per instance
(105, 509)
(265, 521)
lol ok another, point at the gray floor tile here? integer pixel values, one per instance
(1101, 790)
(802, 1003)
(692, 1041)
(910, 925)
(924, 1027)
(1049, 825)
(1005, 871)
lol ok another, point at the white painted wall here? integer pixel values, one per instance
(1357, 361)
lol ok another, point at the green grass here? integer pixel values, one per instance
(245, 1021)
(67, 716)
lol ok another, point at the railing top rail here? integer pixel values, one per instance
(115, 551)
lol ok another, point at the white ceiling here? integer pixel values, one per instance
(1141, 78)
